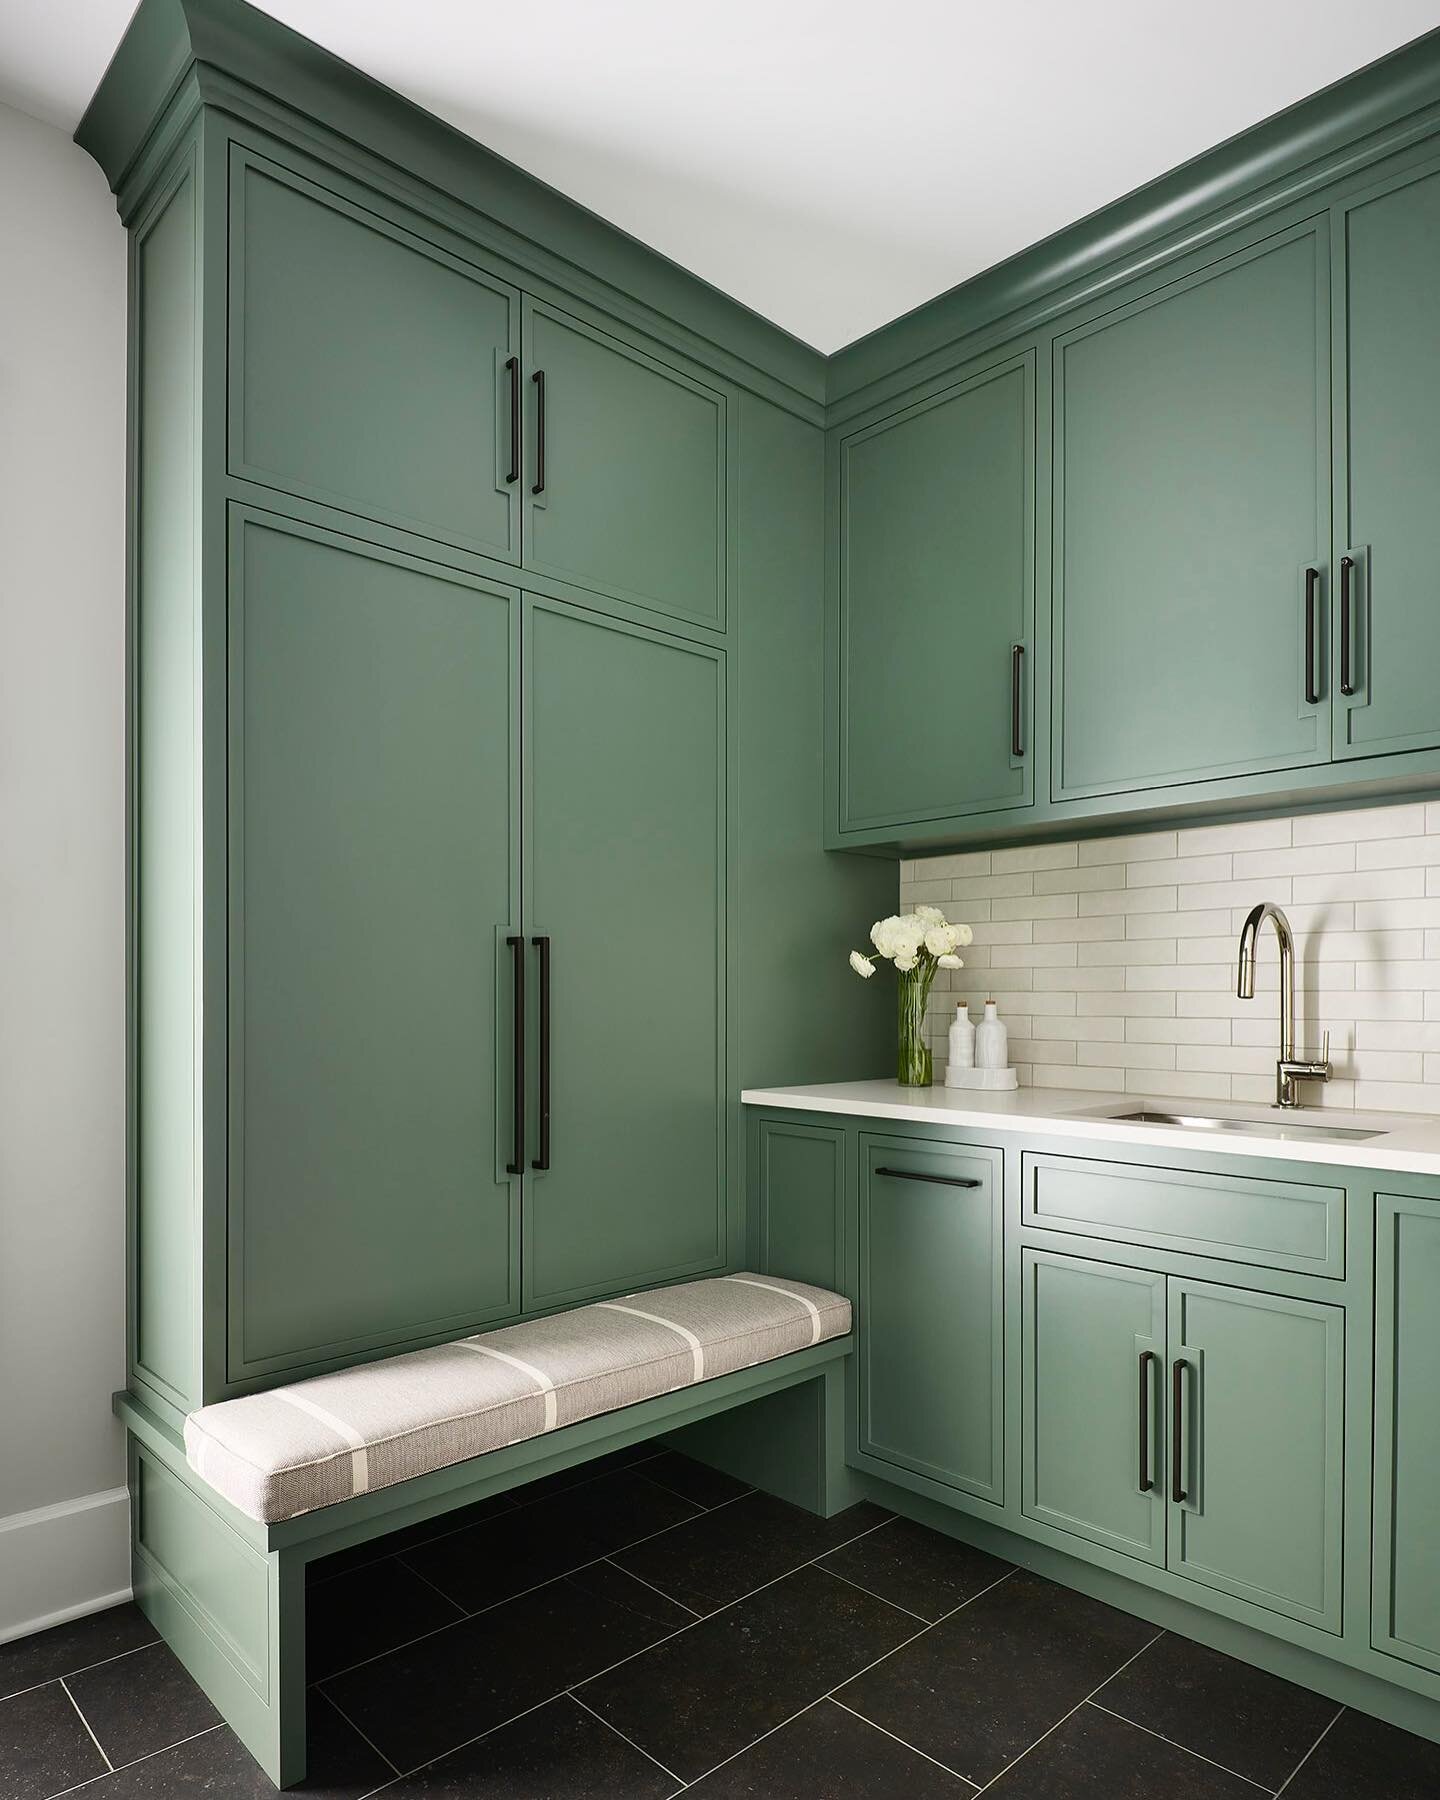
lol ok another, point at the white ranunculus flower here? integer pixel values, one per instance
(905, 961)
(862, 965)
(941, 940)
(965, 936)
(930, 915)
(949, 962)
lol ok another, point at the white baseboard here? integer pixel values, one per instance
(60, 1562)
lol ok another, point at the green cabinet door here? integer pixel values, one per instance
(368, 369)
(1093, 1401)
(626, 474)
(1389, 470)
(625, 876)
(937, 525)
(1192, 483)
(799, 1186)
(374, 809)
(1405, 1611)
(930, 1312)
(1256, 1511)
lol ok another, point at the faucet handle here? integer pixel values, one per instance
(1325, 1046)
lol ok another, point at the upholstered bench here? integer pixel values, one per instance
(232, 1510)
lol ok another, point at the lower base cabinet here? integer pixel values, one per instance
(931, 1312)
(1188, 1424)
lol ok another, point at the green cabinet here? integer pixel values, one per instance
(626, 472)
(931, 1360)
(367, 367)
(1188, 1424)
(1405, 1607)
(797, 1179)
(934, 638)
(374, 859)
(1092, 1402)
(1192, 493)
(1388, 470)
(625, 876)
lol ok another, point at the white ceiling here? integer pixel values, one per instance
(831, 163)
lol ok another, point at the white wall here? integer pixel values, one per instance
(1113, 959)
(62, 1083)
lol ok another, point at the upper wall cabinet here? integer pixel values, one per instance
(368, 369)
(1192, 528)
(932, 646)
(1388, 474)
(625, 484)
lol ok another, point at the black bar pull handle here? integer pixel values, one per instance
(1347, 674)
(516, 1163)
(1312, 686)
(1146, 1481)
(920, 1175)
(1177, 1430)
(539, 379)
(1017, 686)
(542, 1161)
(512, 366)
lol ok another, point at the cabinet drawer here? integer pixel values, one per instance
(1283, 1224)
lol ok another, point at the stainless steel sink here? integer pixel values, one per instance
(1276, 1128)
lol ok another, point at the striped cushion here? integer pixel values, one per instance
(277, 1454)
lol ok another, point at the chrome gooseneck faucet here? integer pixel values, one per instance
(1289, 1070)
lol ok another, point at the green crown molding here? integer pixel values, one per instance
(166, 39)
(1366, 115)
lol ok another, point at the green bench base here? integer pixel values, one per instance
(228, 1594)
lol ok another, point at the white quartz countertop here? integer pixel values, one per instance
(1407, 1143)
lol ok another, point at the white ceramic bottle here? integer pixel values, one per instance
(962, 1038)
(992, 1041)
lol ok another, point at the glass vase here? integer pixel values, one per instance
(915, 1067)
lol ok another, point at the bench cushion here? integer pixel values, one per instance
(292, 1449)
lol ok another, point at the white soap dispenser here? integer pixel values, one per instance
(992, 1040)
(962, 1038)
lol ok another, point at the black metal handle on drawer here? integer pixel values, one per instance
(512, 365)
(1312, 686)
(517, 961)
(1177, 1430)
(919, 1175)
(1146, 1358)
(1347, 674)
(542, 1161)
(539, 379)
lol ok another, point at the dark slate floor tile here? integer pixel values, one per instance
(828, 1752)
(694, 1481)
(342, 1766)
(559, 1751)
(362, 1556)
(358, 1615)
(44, 1745)
(578, 1473)
(1253, 1723)
(708, 1692)
(141, 1703)
(64, 1649)
(422, 1701)
(980, 1686)
(535, 1543)
(1095, 1756)
(1361, 1758)
(911, 1566)
(738, 1548)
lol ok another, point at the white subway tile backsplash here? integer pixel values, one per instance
(1116, 956)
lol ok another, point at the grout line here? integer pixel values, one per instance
(895, 1604)
(914, 1749)
(149, 1756)
(1175, 1744)
(454, 1749)
(84, 1669)
(364, 1737)
(627, 1740)
(770, 1731)
(1000, 1773)
(632, 1576)
(1309, 1753)
(421, 1576)
(86, 1723)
